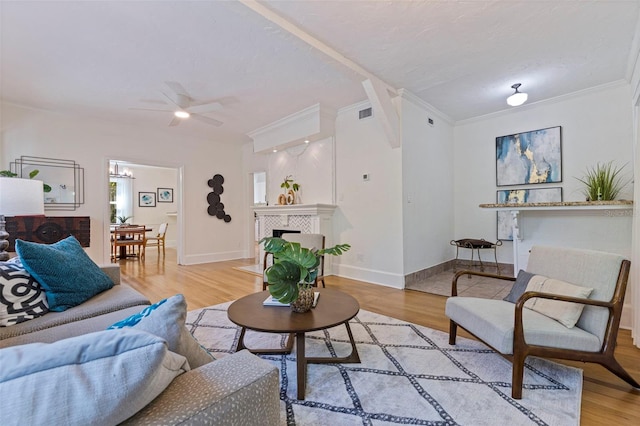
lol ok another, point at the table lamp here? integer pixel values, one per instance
(18, 197)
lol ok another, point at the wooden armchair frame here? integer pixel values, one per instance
(521, 349)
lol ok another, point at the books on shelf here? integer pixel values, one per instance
(272, 301)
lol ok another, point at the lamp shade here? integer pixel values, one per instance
(21, 197)
(517, 98)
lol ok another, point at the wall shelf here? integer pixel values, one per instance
(515, 210)
(564, 205)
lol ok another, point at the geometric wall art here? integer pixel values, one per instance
(216, 207)
(529, 158)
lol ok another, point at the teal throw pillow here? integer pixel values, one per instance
(166, 319)
(67, 274)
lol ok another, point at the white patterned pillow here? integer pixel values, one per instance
(21, 297)
(566, 313)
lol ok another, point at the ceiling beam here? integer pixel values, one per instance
(295, 30)
(385, 111)
(376, 89)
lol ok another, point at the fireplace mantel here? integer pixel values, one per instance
(306, 218)
(296, 209)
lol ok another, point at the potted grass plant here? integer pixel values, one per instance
(603, 182)
(294, 270)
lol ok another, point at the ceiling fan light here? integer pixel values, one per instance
(518, 98)
(182, 114)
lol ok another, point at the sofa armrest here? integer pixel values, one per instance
(113, 271)
(239, 389)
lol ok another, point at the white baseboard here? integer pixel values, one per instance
(376, 277)
(195, 259)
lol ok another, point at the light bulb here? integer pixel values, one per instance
(182, 114)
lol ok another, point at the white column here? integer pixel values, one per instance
(515, 229)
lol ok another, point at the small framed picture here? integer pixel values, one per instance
(165, 195)
(146, 199)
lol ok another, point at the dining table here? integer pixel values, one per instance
(123, 249)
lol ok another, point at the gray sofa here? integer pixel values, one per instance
(239, 389)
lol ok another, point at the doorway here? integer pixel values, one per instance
(147, 195)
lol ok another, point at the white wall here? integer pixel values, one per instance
(427, 181)
(90, 142)
(596, 127)
(149, 179)
(311, 166)
(369, 214)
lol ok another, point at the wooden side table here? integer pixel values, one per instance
(334, 308)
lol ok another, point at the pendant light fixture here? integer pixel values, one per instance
(518, 98)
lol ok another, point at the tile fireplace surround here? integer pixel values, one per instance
(306, 218)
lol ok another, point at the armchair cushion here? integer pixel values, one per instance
(567, 313)
(492, 321)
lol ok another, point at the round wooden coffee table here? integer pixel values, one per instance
(334, 308)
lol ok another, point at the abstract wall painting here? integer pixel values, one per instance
(146, 199)
(529, 157)
(519, 196)
(165, 195)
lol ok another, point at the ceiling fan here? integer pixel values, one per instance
(184, 106)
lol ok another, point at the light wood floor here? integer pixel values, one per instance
(605, 398)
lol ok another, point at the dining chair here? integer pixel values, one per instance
(128, 237)
(159, 239)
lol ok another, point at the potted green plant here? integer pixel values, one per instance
(289, 187)
(603, 182)
(294, 268)
(123, 219)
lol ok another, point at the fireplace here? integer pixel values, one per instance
(278, 232)
(302, 218)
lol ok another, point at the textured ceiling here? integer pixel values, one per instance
(103, 58)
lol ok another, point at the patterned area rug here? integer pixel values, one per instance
(409, 375)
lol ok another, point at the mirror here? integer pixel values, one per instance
(259, 188)
(65, 177)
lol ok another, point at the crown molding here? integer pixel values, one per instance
(544, 102)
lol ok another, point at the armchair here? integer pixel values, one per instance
(516, 331)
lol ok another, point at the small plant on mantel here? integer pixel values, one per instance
(603, 182)
(290, 188)
(289, 183)
(294, 268)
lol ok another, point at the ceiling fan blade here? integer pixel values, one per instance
(177, 88)
(205, 108)
(208, 120)
(179, 100)
(175, 121)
